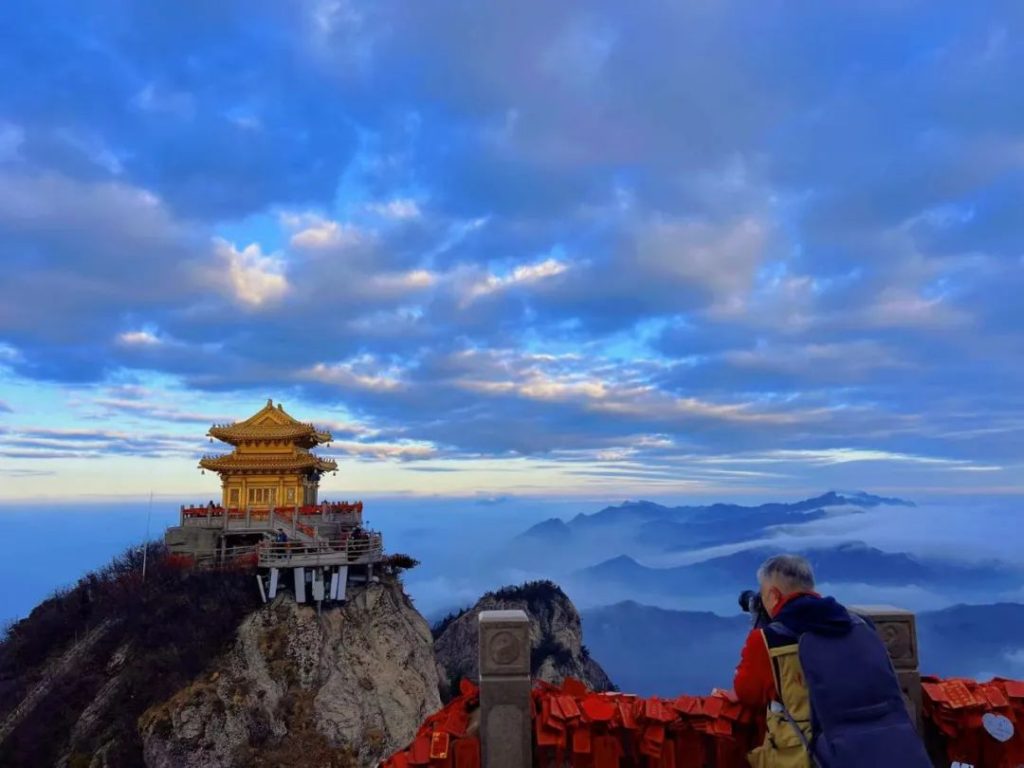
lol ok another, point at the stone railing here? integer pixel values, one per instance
(505, 706)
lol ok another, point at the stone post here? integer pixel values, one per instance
(505, 727)
(898, 630)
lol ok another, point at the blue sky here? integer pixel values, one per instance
(662, 249)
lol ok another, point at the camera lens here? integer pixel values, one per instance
(746, 600)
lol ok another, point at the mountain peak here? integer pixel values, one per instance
(551, 527)
(555, 631)
(869, 499)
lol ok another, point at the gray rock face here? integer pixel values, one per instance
(337, 689)
(556, 636)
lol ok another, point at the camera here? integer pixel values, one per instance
(750, 602)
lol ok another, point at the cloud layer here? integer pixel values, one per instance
(711, 243)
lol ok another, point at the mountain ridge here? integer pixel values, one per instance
(643, 512)
(845, 562)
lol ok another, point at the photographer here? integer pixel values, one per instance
(832, 696)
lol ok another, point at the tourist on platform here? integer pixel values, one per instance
(832, 697)
(281, 537)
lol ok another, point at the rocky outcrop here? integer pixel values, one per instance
(344, 687)
(556, 637)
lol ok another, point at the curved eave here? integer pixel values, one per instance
(229, 464)
(298, 434)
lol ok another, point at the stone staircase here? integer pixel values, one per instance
(295, 528)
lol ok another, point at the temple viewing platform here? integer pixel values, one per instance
(270, 518)
(363, 549)
(326, 534)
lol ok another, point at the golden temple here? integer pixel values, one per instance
(271, 464)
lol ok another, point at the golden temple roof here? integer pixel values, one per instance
(270, 423)
(267, 462)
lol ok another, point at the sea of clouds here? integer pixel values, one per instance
(463, 547)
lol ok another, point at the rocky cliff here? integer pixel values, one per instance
(345, 687)
(189, 669)
(556, 637)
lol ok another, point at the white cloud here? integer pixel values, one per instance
(402, 208)
(314, 232)
(346, 427)
(722, 260)
(403, 450)
(251, 277)
(138, 339)
(352, 375)
(403, 282)
(627, 395)
(522, 275)
(830, 456)
(537, 386)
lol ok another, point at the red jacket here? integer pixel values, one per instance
(754, 682)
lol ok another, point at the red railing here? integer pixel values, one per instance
(331, 508)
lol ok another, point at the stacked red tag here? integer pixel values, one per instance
(979, 724)
(444, 739)
(976, 723)
(573, 726)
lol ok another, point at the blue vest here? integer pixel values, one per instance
(858, 715)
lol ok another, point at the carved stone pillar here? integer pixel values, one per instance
(505, 730)
(898, 630)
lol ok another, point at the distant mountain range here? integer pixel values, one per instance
(656, 526)
(654, 651)
(657, 553)
(849, 562)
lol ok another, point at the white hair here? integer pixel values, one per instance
(789, 571)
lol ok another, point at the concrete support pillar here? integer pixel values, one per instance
(898, 630)
(505, 731)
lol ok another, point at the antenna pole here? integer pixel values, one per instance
(145, 544)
